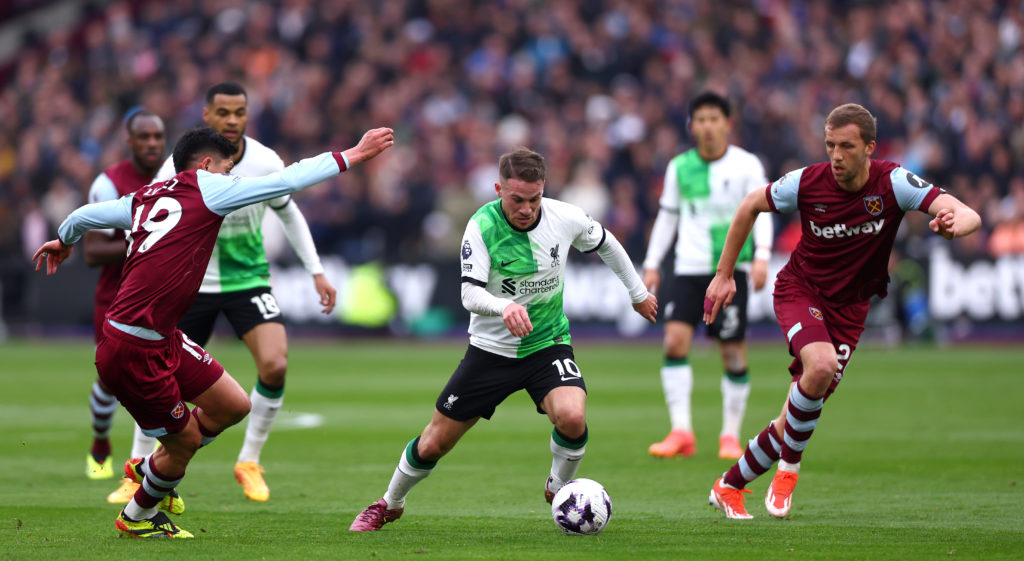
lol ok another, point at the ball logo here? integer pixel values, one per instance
(178, 411)
(816, 313)
(873, 205)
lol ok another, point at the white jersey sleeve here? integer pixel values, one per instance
(590, 235)
(476, 260)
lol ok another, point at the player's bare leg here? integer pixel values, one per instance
(677, 382)
(268, 344)
(566, 407)
(416, 462)
(735, 389)
(798, 420)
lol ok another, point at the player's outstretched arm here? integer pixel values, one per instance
(953, 219)
(108, 214)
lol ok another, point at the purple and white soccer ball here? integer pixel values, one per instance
(581, 507)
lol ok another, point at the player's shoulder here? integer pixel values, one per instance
(258, 160)
(813, 173)
(563, 211)
(739, 153)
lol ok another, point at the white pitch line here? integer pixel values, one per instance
(298, 421)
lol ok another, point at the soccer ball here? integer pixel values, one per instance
(581, 507)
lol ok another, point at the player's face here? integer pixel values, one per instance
(848, 154)
(147, 141)
(520, 201)
(227, 115)
(710, 128)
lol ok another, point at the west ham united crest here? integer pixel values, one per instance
(178, 411)
(816, 313)
(873, 205)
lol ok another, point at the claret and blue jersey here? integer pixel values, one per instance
(847, 237)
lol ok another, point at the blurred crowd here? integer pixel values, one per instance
(600, 87)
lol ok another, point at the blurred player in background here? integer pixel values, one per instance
(143, 358)
(850, 209)
(237, 282)
(703, 187)
(106, 248)
(513, 272)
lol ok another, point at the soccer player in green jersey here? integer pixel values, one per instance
(513, 276)
(237, 281)
(703, 187)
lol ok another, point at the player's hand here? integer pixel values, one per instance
(652, 280)
(373, 142)
(517, 320)
(328, 295)
(53, 253)
(719, 295)
(648, 308)
(759, 273)
(944, 223)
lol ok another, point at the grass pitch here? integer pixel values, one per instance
(919, 455)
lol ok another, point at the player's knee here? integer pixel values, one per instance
(734, 360)
(239, 409)
(818, 374)
(571, 423)
(431, 448)
(676, 345)
(272, 370)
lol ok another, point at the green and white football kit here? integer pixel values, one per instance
(237, 284)
(698, 201)
(501, 265)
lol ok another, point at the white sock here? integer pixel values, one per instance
(564, 463)
(734, 404)
(142, 445)
(677, 381)
(135, 512)
(261, 418)
(786, 466)
(406, 476)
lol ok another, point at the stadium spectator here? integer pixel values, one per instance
(148, 364)
(850, 210)
(464, 81)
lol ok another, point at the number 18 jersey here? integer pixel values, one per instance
(527, 267)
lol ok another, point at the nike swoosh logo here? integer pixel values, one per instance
(507, 263)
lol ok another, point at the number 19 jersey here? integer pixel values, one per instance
(527, 267)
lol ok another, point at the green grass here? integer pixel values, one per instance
(920, 455)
